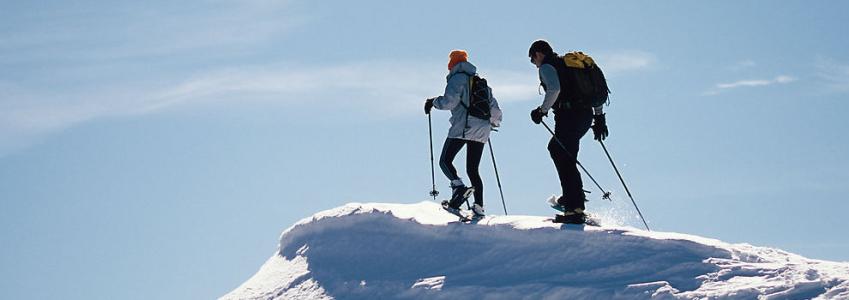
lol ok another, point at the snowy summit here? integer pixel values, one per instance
(412, 251)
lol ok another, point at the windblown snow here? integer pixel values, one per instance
(411, 251)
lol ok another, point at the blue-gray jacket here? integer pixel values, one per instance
(464, 126)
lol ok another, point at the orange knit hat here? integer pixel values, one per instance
(455, 57)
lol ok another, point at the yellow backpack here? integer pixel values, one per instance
(587, 81)
(578, 59)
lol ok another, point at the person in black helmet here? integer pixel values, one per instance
(571, 122)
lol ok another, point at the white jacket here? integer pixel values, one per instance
(463, 125)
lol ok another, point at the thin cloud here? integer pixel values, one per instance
(115, 60)
(756, 82)
(625, 61)
(834, 75)
(513, 86)
(134, 30)
(742, 65)
(718, 88)
(373, 87)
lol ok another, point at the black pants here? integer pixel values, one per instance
(569, 126)
(474, 151)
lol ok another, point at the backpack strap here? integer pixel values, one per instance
(468, 107)
(468, 91)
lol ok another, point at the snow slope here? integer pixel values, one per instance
(389, 251)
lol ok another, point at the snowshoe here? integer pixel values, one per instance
(572, 217)
(455, 211)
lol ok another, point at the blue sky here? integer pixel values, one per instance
(156, 150)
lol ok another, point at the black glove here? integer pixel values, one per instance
(428, 105)
(537, 114)
(600, 127)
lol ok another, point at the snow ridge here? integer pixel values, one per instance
(411, 251)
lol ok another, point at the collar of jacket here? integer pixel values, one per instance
(462, 67)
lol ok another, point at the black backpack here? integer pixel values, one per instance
(587, 86)
(479, 98)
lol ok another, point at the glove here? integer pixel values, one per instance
(600, 127)
(428, 105)
(537, 114)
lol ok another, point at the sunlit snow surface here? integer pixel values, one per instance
(411, 251)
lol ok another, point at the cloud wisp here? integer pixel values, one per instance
(615, 63)
(66, 64)
(742, 65)
(834, 75)
(757, 82)
(123, 31)
(720, 87)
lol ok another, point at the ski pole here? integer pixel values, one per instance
(497, 178)
(623, 184)
(433, 191)
(606, 195)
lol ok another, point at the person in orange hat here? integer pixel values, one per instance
(455, 57)
(472, 119)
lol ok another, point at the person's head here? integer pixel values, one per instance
(455, 57)
(538, 51)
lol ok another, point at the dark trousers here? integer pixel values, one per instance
(569, 126)
(474, 151)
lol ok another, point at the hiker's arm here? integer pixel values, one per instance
(453, 93)
(549, 78)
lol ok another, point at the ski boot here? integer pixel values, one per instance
(478, 211)
(460, 194)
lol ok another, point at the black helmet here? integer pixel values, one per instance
(540, 46)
